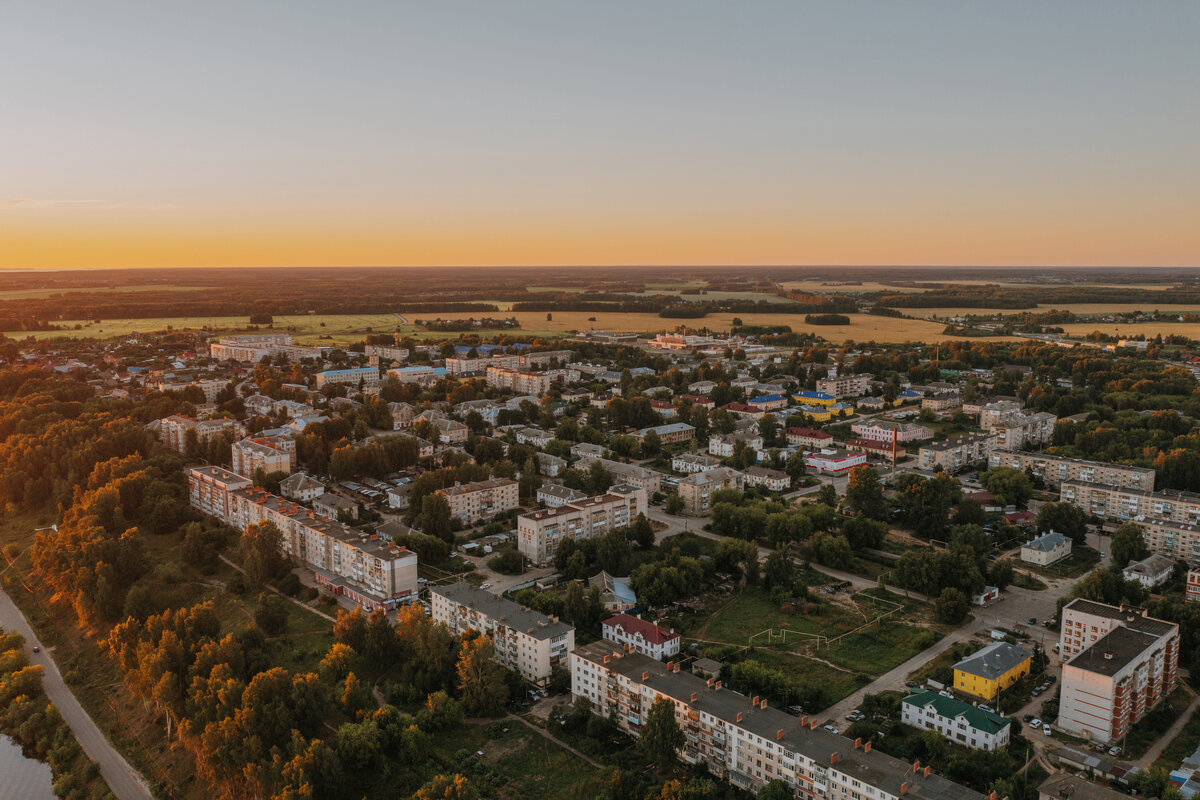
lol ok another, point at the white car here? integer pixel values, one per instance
(1035, 723)
(485, 586)
(1046, 728)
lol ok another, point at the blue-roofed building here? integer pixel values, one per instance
(417, 373)
(768, 402)
(810, 398)
(671, 433)
(909, 396)
(367, 376)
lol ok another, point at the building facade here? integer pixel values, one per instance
(1053, 470)
(641, 635)
(268, 453)
(889, 431)
(172, 431)
(479, 500)
(991, 670)
(525, 641)
(834, 462)
(366, 376)
(846, 385)
(696, 489)
(961, 723)
(1046, 549)
(957, 453)
(539, 533)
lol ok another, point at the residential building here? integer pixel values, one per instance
(534, 436)
(300, 487)
(772, 480)
(449, 431)
(808, 437)
(1046, 549)
(974, 408)
(743, 740)
(834, 461)
(669, 434)
(1024, 430)
(701, 387)
(1150, 572)
(881, 449)
(421, 373)
(172, 431)
(809, 398)
(358, 376)
(550, 466)
(942, 402)
(268, 453)
(540, 532)
(991, 670)
(382, 354)
(1068, 786)
(743, 411)
(696, 489)
(1193, 586)
(694, 462)
(958, 453)
(525, 641)
(335, 506)
(211, 388)
(404, 415)
(641, 635)
(553, 495)
(961, 723)
(846, 385)
(1121, 664)
(724, 445)
(469, 366)
(479, 500)
(1169, 517)
(768, 402)
(886, 430)
(1053, 470)
(371, 572)
(251, 348)
(621, 472)
(526, 382)
(996, 411)
(545, 358)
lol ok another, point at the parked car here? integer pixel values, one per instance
(986, 708)
(1035, 723)
(1037, 690)
(831, 729)
(1033, 620)
(485, 586)
(37, 649)
(1114, 751)
(1046, 728)
(912, 685)
(1050, 679)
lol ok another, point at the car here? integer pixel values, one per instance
(831, 729)
(1046, 728)
(1050, 679)
(912, 685)
(485, 586)
(1038, 690)
(1035, 723)
(986, 708)
(37, 649)
(1102, 555)
(1033, 620)
(944, 693)
(1114, 750)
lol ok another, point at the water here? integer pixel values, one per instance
(22, 778)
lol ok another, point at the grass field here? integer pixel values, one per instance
(1147, 329)
(827, 286)
(17, 294)
(1076, 308)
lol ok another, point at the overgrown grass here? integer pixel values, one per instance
(1182, 745)
(1152, 726)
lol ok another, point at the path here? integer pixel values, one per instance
(1154, 752)
(550, 737)
(305, 606)
(125, 781)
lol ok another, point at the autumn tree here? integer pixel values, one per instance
(864, 493)
(481, 681)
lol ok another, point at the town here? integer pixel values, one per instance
(786, 563)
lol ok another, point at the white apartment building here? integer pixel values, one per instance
(530, 643)
(1046, 549)
(367, 376)
(299, 486)
(957, 453)
(211, 388)
(1151, 571)
(253, 348)
(723, 445)
(994, 412)
(641, 635)
(696, 489)
(172, 431)
(385, 354)
(1056, 469)
(1024, 430)
(465, 366)
(807, 437)
(527, 382)
(772, 480)
(1125, 505)
(888, 431)
(688, 463)
(1193, 586)
(961, 723)
(268, 453)
(1122, 664)
(741, 739)
(846, 385)
(479, 500)
(621, 472)
(540, 532)
(553, 495)
(371, 572)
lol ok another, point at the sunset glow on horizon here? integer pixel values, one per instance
(278, 134)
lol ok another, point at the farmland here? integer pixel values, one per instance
(1076, 308)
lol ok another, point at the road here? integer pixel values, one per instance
(125, 782)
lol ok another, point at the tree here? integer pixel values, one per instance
(271, 615)
(481, 682)
(261, 556)
(827, 495)
(776, 790)
(1065, 518)
(674, 504)
(642, 531)
(864, 493)
(951, 606)
(435, 516)
(779, 571)
(651, 444)
(1001, 574)
(662, 737)
(448, 787)
(1128, 545)
(1011, 486)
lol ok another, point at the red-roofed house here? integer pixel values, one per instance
(807, 437)
(644, 637)
(743, 410)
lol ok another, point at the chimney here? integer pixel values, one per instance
(693, 697)
(904, 788)
(739, 716)
(833, 757)
(779, 734)
(644, 676)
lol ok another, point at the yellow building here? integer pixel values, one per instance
(816, 413)
(807, 398)
(992, 669)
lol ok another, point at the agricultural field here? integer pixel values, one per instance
(1129, 329)
(831, 286)
(18, 294)
(1077, 308)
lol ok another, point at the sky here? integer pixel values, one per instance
(290, 133)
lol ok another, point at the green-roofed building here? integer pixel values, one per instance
(959, 722)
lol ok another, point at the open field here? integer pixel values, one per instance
(349, 328)
(17, 294)
(828, 286)
(1077, 308)
(1127, 329)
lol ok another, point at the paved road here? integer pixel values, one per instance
(125, 782)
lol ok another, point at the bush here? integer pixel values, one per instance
(236, 584)
(271, 615)
(290, 584)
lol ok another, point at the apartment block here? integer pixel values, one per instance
(539, 533)
(1046, 549)
(942, 402)
(1122, 664)
(468, 366)
(210, 388)
(530, 643)
(632, 474)
(641, 635)
(669, 434)
(254, 347)
(957, 453)
(209, 490)
(382, 354)
(366, 376)
(1023, 430)
(1056, 469)
(961, 723)
(688, 463)
(527, 382)
(723, 445)
(479, 500)
(268, 453)
(1169, 517)
(172, 431)
(544, 358)
(846, 385)
(772, 480)
(741, 739)
(696, 489)
(1193, 586)
(888, 431)
(807, 437)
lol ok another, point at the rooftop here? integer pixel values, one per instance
(993, 661)
(950, 708)
(1114, 652)
(515, 616)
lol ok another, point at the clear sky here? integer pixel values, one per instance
(238, 132)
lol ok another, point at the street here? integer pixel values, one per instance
(125, 782)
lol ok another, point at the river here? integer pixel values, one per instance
(22, 778)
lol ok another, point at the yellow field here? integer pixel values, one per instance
(827, 286)
(349, 328)
(1147, 329)
(1077, 308)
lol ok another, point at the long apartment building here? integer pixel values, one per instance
(467, 365)
(172, 431)
(478, 500)
(888, 431)
(385, 354)
(366, 376)
(539, 533)
(1121, 664)
(268, 453)
(957, 453)
(741, 739)
(1170, 519)
(846, 385)
(632, 474)
(524, 381)
(370, 571)
(255, 347)
(1021, 430)
(525, 641)
(1053, 470)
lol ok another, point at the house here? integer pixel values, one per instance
(643, 636)
(810, 398)
(997, 666)
(942, 402)
(403, 415)
(724, 445)
(807, 437)
(770, 479)
(615, 593)
(335, 506)
(553, 495)
(550, 466)
(301, 487)
(1046, 549)
(701, 387)
(1150, 572)
(768, 402)
(534, 436)
(1066, 786)
(694, 462)
(398, 496)
(744, 411)
(364, 376)
(961, 723)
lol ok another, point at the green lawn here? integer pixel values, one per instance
(1182, 745)
(1152, 726)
